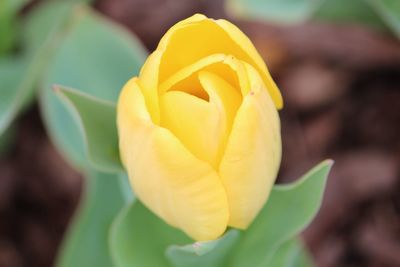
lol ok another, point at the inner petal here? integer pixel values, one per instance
(198, 124)
(186, 43)
(226, 99)
(231, 69)
(194, 41)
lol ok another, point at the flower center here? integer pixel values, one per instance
(199, 107)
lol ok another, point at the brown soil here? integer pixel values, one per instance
(38, 194)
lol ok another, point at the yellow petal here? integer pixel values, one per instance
(192, 19)
(246, 45)
(193, 39)
(198, 124)
(250, 164)
(187, 71)
(223, 95)
(149, 73)
(226, 66)
(149, 83)
(183, 190)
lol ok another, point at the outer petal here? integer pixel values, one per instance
(198, 124)
(149, 84)
(183, 23)
(222, 94)
(251, 161)
(181, 189)
(244, 42)
(149, 74)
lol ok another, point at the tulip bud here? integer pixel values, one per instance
(199, 131)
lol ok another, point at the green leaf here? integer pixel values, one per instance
(97, 57)
(280, 11)
(126, 188)
(47, 23)
(372, 13)
(7, 139)
(303, 259)
(349, 12)
(200, 254)
(19, 75)
(289, 209)
(97, 119)
(11, 72)
(86, 241)
(291, 254)
(8, 23)
(139, 239)
(11, 6)
(390, 13)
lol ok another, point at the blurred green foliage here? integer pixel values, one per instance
(97, 57)
(280, 11)
(291, 254)
(348, 12)
(378, 14)
(7, 140)
(8, 23)
(67, 42)
(390, 13)
(87, 239)
(22, 70)
(139, 238)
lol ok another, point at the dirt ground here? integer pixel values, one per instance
(341, 86)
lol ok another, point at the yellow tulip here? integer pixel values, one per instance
(199, 130)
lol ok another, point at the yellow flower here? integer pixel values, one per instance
(199, 129)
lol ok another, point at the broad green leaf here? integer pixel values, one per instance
(139, 239)
(49, 20)
(291, 254)
(280, 11)
(349, 12)
(96, 118)
(126, 188)
(303, 259)
(289, 209)
(86, 242)
(7, 140)
(372, 13)
(11, 72)
(81, 1)
(19, 75)
(390, 12)
(97, 57)
(11, 6)
(8, 23)
(200, 254)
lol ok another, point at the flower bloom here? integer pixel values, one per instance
(199, 131)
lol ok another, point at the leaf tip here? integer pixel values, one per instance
(329, 162)
(56, 88)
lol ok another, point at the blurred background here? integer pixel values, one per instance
(337, 64)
